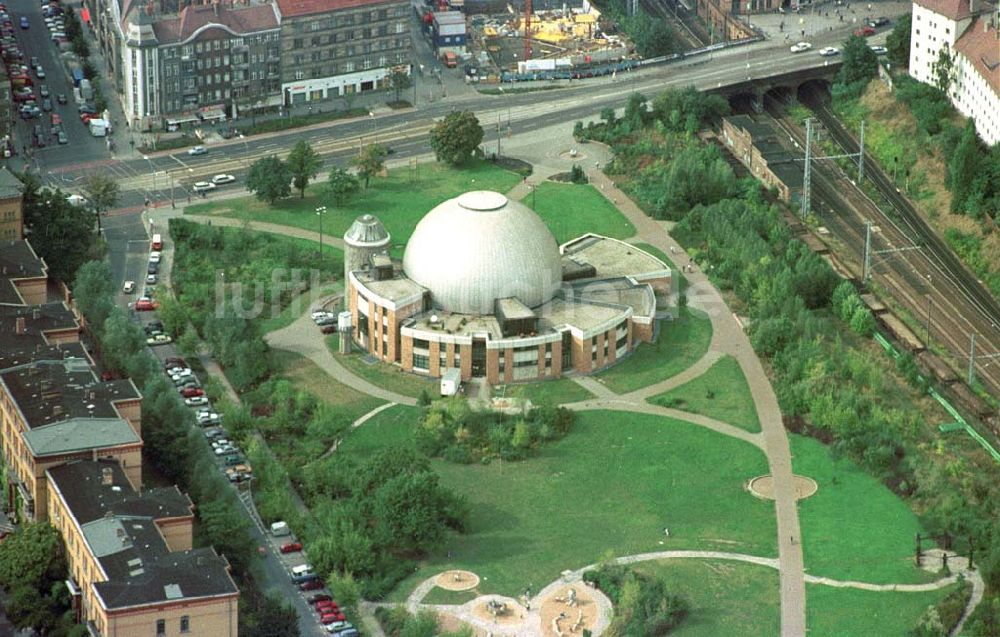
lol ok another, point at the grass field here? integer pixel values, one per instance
(442, 596)
(383, 375)
(399, 200)
(571, 210)
(853, 527)
(611, 485)
(680, 344)
(848, 612)
(721, 393)
(727, 598)
(299, 306)
(388, 428)
(551, 392)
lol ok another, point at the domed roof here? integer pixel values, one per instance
(479, 247)
(367, 230)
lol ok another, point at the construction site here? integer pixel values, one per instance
(529, 40)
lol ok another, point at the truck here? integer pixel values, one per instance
(450, 59)
(77, 76)
(451, 382)
(99, 127)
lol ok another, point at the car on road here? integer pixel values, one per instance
(86, 108)
(879, 50)
(291, 547)
(46, 105)
(829, 51)
(219, 180)
(33, 61)
(159, 339)
(129, 287)
(800, 47)
(203, 186)
(197, 150)
(61, 98)
(56, 119)
(40, 72)
(24, 23)
(864, 32)
(145, 305)
(880, 21)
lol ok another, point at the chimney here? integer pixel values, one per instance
(19, 326)
(107, 476)
(35, 313)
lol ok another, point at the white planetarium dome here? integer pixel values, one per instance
(479, 247)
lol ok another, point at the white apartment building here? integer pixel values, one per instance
(968, 28)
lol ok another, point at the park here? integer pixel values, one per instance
(652, 485)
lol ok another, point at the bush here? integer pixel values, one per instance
(643, 605)
(577, 176)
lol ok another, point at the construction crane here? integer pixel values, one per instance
(527, 30)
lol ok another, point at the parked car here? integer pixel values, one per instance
(46, 105)
(154, 257)
(291, 547)
(61, 98)
(43, 90)
(318, 597)
(129, 287)
(215, 432)
(24, 23)
(40, 72)
(327, 607)
(864, 32)
(880, 21)
(328, 329)
(151, 279)
(191, 392)
(175, 360)
(197, 150)
(196, 401)
(338, 626)
(219, 180)
(313, 585)
(231, 461)
(159, 339)
(146, 306)
(329, 618)
(86, 108)
(879, 50)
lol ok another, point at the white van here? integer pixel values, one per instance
(302, 569)
(279, 529)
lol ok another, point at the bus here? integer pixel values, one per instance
(157, 242)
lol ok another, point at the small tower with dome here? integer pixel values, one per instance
(364, 239)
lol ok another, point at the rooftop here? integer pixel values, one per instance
(981, 45)
(21, 323)
(119, 526)
(955, 9)
(399, 289)
(10, 186)
(79, 434)
(234, 19)
(17, 261)
(32, 347)
(367, 230)
(295, 8)
(613, 258)
(51, 391)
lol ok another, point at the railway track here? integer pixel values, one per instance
(918, 277)
(664, 10)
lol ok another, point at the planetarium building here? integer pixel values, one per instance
(484, 288)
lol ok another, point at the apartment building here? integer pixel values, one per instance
(191, 63)
(132, 570)
(331, 49)
(11, 208)
(968, 31)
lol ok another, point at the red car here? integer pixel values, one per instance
(56, 119)
(191, 392)
(319, 597)
(312, 585)
(329, 618)
(145, 306)
(86, 117)
(864, 32)
(329, 606)
(174, 362)
(291, 547)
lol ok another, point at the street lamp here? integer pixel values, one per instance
(506, 97)
(371, 114)
(319, 213)
(152, 171)
(246, 151)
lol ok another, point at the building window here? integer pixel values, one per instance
(185, 624)
(420, 343)
(161, 627)
(421, 362)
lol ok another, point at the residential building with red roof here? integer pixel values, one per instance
(332, 48)
(968, 31)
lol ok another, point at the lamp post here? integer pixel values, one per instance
(506, 98)
(246, 151)
(151, 169)
(320, 212)
(371, 114)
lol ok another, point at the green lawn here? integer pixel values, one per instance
(681, 343)
(853, 527)
(384, 375)
(721, 393)
(388, 428)
(849, 612)
(454, 598)
(399, 200)
(550, 392)
(727, 598)
(611, 485)
(571, 210)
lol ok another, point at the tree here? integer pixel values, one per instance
(303, 163)
(102, 193)
(898, 41)
(944, 69)
(60, 233)
(860, 65)
(269, 179)
(456, 137)
(267, 614)
(341, 186)
(963, 166)
(346, 590)
(33, 556)
(93, 293)
(370, 161)
(399, 81)
(120, 340)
